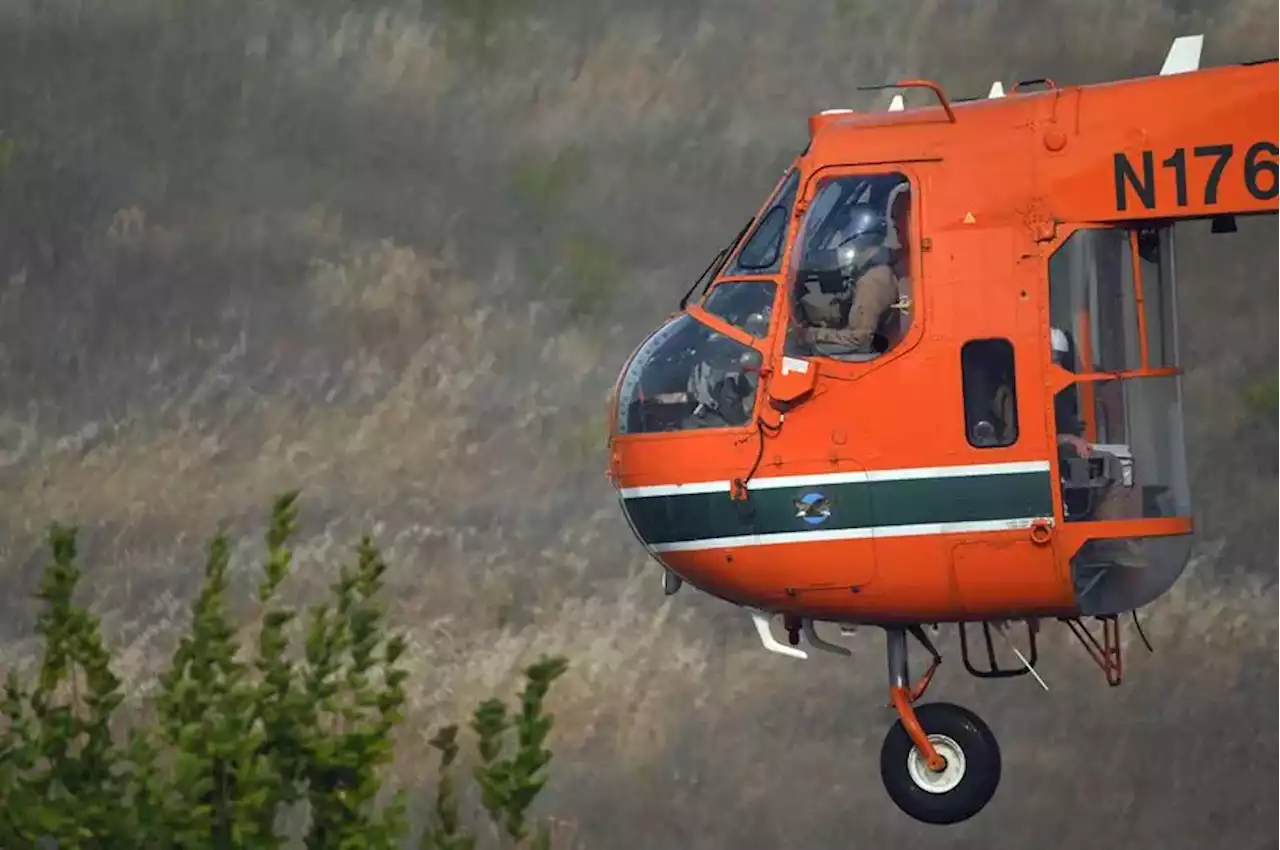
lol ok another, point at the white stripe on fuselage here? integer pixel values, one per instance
(852, 477)
(925, 529)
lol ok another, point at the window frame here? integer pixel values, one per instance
(1086, 379)
(758, 342)
(811, 184)
(1141, 329)
(1060, 379)
(965, 384)
(715, 323)
(730, 268)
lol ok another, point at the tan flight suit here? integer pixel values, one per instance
(1003, 407)
(874, 292)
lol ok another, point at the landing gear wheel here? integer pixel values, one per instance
(963, 787)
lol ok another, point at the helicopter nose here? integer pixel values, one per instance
(625, 386)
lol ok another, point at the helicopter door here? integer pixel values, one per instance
(1125, 493)
(1002, 552)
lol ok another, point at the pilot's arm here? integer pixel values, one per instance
(876, 290)
(1070, 428)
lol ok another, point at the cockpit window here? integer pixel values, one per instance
(687, 376)
(763, 250)
(746, 304)
(851, 281)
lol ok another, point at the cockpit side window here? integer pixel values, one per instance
(990, 393)
(745, 304)
(688, 376)
(851, 279)
(762, 252)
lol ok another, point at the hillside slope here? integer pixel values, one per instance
(395, 256)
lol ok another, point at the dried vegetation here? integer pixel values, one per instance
(393, 255)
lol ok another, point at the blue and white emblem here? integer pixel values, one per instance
(813, 508)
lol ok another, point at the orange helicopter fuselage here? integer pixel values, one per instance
(854, 492)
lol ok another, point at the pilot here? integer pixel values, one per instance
(757, 323)
(1115, 500)
(997, 424)
(866, 264)
(899, 206)
(721, 385)
(1066, 405)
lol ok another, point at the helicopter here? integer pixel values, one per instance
(935, 380)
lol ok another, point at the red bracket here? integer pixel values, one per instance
(1106, 654)
(918, 689)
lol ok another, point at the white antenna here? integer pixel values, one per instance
(897, 104)
(1183, 56)
(997, 90)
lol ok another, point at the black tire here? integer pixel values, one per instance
(981, 770)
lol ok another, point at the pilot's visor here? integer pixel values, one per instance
(856, 253)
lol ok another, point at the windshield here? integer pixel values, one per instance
(762, 253)
(688, 376)
(745, 304)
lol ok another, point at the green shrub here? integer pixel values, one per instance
(237, 747)
(541, 185)
(472, 27)
(1261, 398)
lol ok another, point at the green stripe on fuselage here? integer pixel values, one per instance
(700, 516)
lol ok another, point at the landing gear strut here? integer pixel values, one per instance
(940, 763)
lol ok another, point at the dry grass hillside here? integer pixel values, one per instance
(394, 254)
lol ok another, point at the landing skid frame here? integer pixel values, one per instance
(994, 670)
(1107, 653)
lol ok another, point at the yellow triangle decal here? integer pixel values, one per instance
(968, 218)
